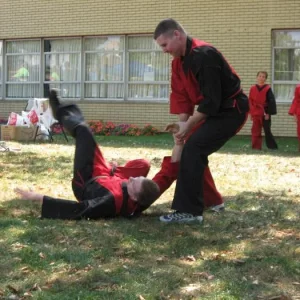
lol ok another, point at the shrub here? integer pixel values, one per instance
(97, 127)
(121, 129)
(149, 130)
(109, 128)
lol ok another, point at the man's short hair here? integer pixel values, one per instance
(263, 72)
(167, 27)
(149, 193)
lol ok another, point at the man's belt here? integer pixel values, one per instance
(238, 100)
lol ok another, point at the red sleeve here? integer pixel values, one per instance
(133, 168)
(179, 100)
(167, 174)
(296, 102)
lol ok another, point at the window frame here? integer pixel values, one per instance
(99, 82)
(61, 83)
(5, 80)
(5, 70)
(154, 83)
(291, 83)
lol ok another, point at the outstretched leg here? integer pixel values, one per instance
(70, 116)
(88, 161)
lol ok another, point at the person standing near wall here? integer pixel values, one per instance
(200, 74)
(262, 106)
(295, 111)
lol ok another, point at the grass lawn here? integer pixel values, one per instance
(250, 251)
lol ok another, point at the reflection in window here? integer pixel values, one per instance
(286, 57)
(148, 69)
(104, 67)
(23, 68)
(63, 66)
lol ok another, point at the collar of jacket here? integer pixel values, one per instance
(187, 58)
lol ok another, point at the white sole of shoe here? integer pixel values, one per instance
(218, 208)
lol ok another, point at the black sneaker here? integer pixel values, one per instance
(54, 102)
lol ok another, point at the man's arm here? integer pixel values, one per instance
(29, 195)
(183, 117)
(54, 208)
(208, 64)
(176, 153)
(186, 127)
(271, 103)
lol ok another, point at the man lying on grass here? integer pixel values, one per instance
(102, 190)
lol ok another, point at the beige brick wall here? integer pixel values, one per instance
(241, 29)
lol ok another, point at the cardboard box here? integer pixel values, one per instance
(24, 133)
(8, 132)
(17, 133)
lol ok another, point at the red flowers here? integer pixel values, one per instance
(109, 128)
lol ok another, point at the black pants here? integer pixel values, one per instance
(270, 141)
(86, 152)
(207, 139)
(88, 163)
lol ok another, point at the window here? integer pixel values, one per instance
(104, 67)
(286, 60)
(23, 68)
(1, 69)
(94, 68)
(63, 66)
(148, 69)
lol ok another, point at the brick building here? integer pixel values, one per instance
(101, 53)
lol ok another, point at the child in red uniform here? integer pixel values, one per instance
(262, 106)
(295, 111)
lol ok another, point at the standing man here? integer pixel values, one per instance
(182, 103)
(201, 74)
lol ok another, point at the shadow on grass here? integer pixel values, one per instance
(31, 163)
(239, 145)
(250, 249)
(163, 141)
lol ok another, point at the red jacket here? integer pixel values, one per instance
(210, 91)
(262, 101)
(257, 99)
(295, 107)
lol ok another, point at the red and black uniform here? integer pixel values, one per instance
(204, 77)
(295, 110)
(262, 102)
(100, 189)
(183, 101)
